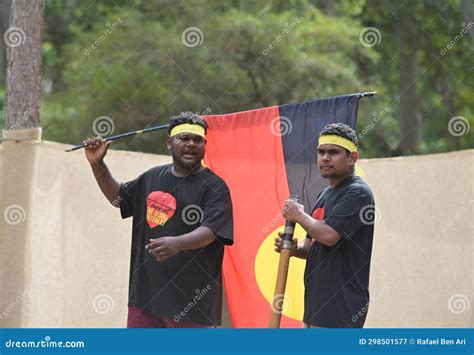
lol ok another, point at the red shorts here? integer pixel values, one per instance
(141, 319)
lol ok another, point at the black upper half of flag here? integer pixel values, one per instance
(301, 124)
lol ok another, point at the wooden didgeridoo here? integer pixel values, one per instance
(282, 276)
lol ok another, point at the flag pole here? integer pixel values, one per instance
(368, 94)
(151, 129)
(123, 135)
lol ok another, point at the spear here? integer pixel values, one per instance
(123, 135)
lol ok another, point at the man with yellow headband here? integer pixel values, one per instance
(340, 230)
(182, 219)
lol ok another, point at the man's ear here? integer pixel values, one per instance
(168, 142)
(354, 156)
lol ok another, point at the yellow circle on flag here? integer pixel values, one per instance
(266, 268)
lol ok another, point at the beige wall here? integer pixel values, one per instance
(423, 246)
(64, 250)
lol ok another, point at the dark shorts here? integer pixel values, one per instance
(141, 319)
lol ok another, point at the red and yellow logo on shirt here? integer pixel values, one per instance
(318, 214)
(160, 206)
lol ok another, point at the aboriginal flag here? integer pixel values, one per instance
(266, 155)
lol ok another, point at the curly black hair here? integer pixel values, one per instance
(341, 130)
(186, 117)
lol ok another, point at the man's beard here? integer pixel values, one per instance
(329, 176)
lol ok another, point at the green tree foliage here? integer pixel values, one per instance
(131, 61)
(443, 80)
(143, 71)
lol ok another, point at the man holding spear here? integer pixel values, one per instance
(339, 237)
(182, 218)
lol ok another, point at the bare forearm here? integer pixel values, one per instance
(109, 186)
(303, 248)
(318, 230)
(198, 238)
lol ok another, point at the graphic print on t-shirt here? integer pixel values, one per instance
(160, 206)
(318, 214)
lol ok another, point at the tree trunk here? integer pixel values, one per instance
(4, 16)
(19, 158)
(410, 117)
(23, 41)
(466, 8)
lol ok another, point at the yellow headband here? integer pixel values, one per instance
(337, 140)
(344, 143)
(188, 128)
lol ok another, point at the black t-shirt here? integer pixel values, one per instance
(337, 277)
(188, 286)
